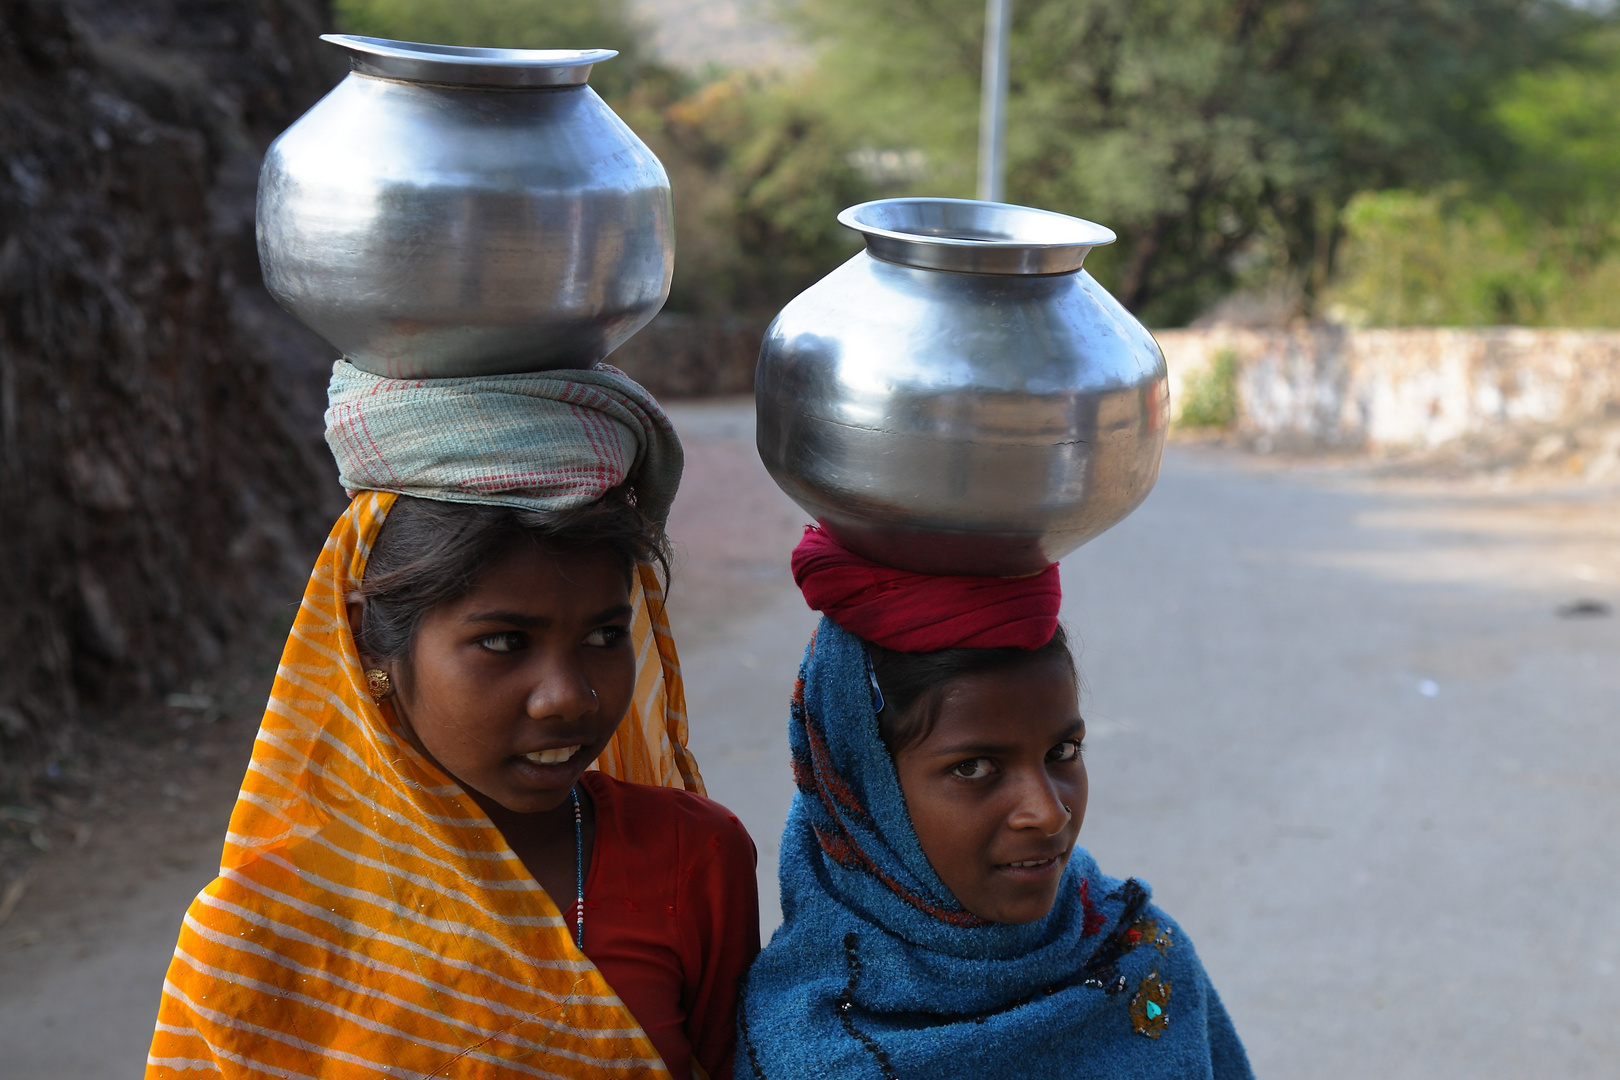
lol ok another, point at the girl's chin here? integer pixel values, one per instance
(531, 802)
(1018, 913)
(524, 787)
(1027, 893)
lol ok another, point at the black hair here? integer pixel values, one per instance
(430, 553)
(913, 684)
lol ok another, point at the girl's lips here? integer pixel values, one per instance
(555, 755)
(1032, 870)
(555, 771)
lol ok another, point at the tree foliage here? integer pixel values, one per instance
(759, 180)
(1564, 126)
(1205, 132)
(1449, 160)
(1210, 396)
(1534, 240)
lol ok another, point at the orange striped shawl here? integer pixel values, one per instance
(368, 920)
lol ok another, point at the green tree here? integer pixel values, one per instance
(1207, 133)
(759, 180)
(1564, 127)
(1441, 258)
(1438, 258)
(1534, 239)
(1210, 396)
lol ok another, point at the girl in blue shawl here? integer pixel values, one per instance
(938, 919)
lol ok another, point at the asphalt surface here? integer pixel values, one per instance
(1336, 722)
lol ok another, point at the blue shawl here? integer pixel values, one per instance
(877, 972)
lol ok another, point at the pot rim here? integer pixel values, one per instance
(464, 65)
(975, 237)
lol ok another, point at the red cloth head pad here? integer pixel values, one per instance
(910, 612)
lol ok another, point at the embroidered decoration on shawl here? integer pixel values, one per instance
(1101, 970)
(1093, 920)
(846, 1005)
(1147, 930)
(1148, 1015)
(368, 920)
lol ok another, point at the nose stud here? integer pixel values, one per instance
(1066, 810)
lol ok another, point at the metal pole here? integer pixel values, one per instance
(993, 102)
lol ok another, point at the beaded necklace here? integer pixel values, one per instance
(579, 873)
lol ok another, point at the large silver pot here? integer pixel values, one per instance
(451, 211)
(961, 397)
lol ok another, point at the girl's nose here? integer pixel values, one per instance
(562, 691)
(1040, 807)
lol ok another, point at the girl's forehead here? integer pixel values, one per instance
(1035, 703)
(542, 582)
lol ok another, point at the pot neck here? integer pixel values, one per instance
(459, 65)
(974, 237)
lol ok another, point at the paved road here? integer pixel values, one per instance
(1364, 762)
(1335, 722)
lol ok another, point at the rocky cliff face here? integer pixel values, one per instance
(163, 489)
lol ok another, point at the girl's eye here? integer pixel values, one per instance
(1068, 750)
(977, 769)
(509, 642)
(605, 637)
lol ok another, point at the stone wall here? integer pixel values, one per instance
(678, 355)
(1409, 388)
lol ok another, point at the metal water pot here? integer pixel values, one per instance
(452, 211)
(961, 397)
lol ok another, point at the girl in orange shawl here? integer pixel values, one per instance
(421, 878)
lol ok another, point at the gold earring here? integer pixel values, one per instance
(378, 684)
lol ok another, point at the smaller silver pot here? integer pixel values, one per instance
(451, 211)
(961, 397)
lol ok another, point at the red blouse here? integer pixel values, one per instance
(672, 916)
